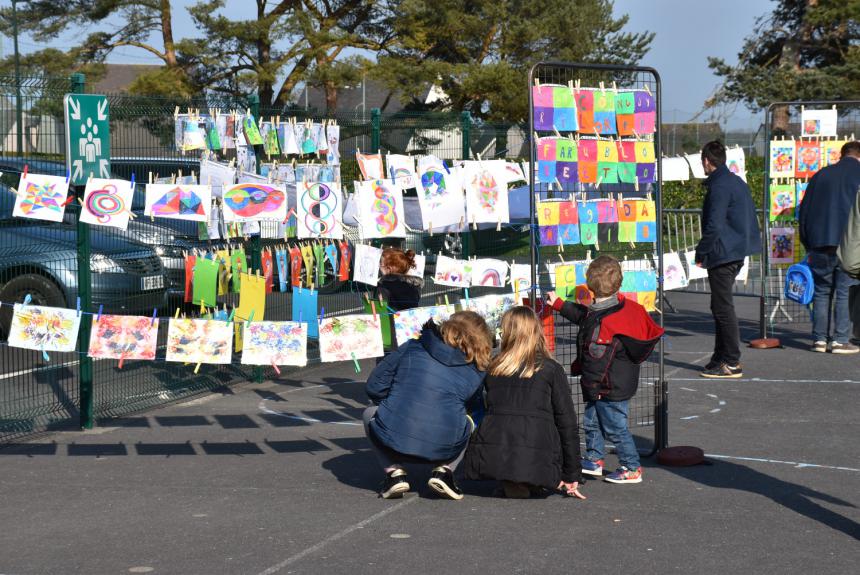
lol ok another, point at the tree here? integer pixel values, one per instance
(804, 50)
(479, 51)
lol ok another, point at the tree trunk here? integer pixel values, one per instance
(265, 89)
(167, 35)
(330, 97)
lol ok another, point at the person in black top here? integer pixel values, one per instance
(400, 290)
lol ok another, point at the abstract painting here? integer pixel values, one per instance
(350, 337)
(319, 210)
(674, 276)
(107, 203)
(831, 152)
(781, 242)
(489, 273)
(808, 159)
(44, 328)
(486, 191)
(199, 341)
(370, 166)
(254, 201)
(179, 202)
(124, 337)
(380, 209)
(491, 307)
(41, 197)
(275, 343)
(452, 272)
(782, 159)
(782, 201)
(402, 169)
(440, 195)
(408, 323)
(366, 264)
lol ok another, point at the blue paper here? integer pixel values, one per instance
(305, 309)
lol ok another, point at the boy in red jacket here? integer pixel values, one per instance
(615, 336)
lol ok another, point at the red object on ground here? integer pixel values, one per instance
(765, 343)
(547, 319)
(680, 456)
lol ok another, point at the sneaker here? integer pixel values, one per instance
(592, 467)
(723, 371)
(624, 475)
(819, 347)
(735, 368)
(843, 348)
(442, 482)
(395, 485)
(712, 364)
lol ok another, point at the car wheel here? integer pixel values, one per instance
(453, 244)
(42, 291)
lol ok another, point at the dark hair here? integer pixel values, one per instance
(715, 153)
(851, 149)
(398, 261)
(603, 277)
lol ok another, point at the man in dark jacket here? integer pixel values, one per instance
(849, 257)
(730, 232)
(824, 212)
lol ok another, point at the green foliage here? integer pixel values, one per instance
(691, 194)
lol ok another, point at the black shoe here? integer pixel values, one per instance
(395, 485)
(712, 364)
(735, 368)
(443, 483)
(723, 371)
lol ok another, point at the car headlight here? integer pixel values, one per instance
(103, 264)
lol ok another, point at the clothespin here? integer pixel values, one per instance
(121, 360)
(99, 317)
(467, 295)
(45, 355)
(202, 306)
(176, 112)
(26, 169)
(69, 200)
(197, 368)
(275, 367)
(250, 318)
(355, 362)
(447, 304)
(154, 316)
(69, 175)
(176, 315)
(78, 306)
(322, 313)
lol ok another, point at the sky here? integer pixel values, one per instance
(687, 32)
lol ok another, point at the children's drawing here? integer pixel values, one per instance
(451, 272)
(254, 201)
(800, 193)
(808, 159)
(491, 307)
(44, 328)
(275, 343)
(486, 191)
(350, 337)
(674, 276)
(831, 152)
(124, 337)
(367, 264)
(402, 169)
(333, 152)
(489, 273)
(677, 170)
(41, 197)
(270, 139)
(319, 208)
(820, 123)
(380, 209)
(179, 202)
(567, 277)
(440, 194)
(217, 175)
(251, 131)
(694, 272)
(408, 323)
(520, 277)
(735, 162)
(782, 159)
(781, 243)
(107, 203)
(782, 201)
(199, 341)
(370, 166)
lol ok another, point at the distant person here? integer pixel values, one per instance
(830, 198)
(615, 336)
(420, 395)
(849, 257)
(528, 438)
(730, 232)
(396, 286)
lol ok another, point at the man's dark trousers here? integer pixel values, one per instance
(727, 341)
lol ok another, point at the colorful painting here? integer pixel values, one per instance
(781, 242)
(782, 153)
(645, 113)
(800, 193)
(251, 131)
(179, 202)
(554, 108)
(782, 201)
(367, 264)
(124, 337)
(370, 166)
(440, 194)
(198, 341)
(41, 197)
(694, 272)
(402, 169)
(674, 276)
(489, 273)
(333, 152)
(107, 203)
(275, 343)
(350, 337)
(818, 123)
(380, 209)
(491, 307)
(486, 191)
(452, 272)
(808, 159)
(254, 201)
(567, 277)
(831, 152)
(44, 328)
(408, 323)
(735, 162)
(319, 210)
(640, 285)
(520, 277)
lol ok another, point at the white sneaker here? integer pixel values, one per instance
(820, 346)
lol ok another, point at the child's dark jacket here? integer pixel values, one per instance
(610, 345)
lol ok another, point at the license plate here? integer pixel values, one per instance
(151, 282)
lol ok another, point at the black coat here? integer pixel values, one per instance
(529, 434)
(730, 230)
(400, 291)
(829, 199)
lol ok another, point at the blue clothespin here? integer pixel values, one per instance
(322, 313)
(154, 316)
(45, 355)
(27, 300)
(444, 165)
(132, 181)
(68, 175)
(99, 317)
(78, 306)
(300, 317)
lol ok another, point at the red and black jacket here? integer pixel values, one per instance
(610, 345)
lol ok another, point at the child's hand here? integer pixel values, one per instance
(571, 489)
(551, 297)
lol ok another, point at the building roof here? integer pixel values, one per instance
(118, 77)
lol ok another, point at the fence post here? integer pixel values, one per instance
(85, 367)
(465, 153)
(375, 130)
(254, 245)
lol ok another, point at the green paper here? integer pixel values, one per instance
(386, 319)
(607, 172)
(271, 146)
(319, 259)
(588, 234)
(238, 264)
(205, 282)
(213, 139)
(627, 172)
(626, 232)
(565, 150)
(625, 103)
(604, 101)
(562, 97)
(252, 132)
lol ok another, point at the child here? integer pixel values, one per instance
(528, 438)
(420, 394)
(399, 289)
(615, 336)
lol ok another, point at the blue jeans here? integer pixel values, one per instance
(604, 418)
(831, 291)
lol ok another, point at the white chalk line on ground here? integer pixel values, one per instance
(303, 418)
(339, 535)
(762, 380)
(797, 464)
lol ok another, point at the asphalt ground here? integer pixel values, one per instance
(276, 478)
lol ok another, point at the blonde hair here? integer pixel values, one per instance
(603, 277)
(523, 344)
(468, 332)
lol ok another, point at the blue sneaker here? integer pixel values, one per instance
(592, 467)
(624, 475)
